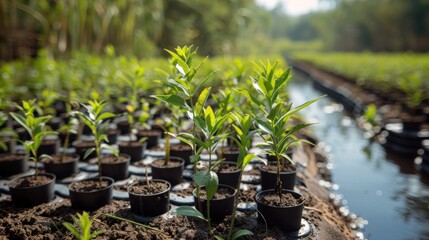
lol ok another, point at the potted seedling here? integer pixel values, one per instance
(149, 198)
(169, 168)
(278, 204)
(190, 95)
(37, 188)
(133, 147)
(63, 164)
(11, 163)
(91, 194)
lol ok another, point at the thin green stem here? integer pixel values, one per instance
(234, 211)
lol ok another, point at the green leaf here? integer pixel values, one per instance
(72, 229)
(106, 115)
(173, 99)
(210, 118)
(188, 211)
(199, 105)
(212, 184)
(88, 152)
(240, 233)
(217, 237)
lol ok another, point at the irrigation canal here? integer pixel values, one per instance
(386, 190)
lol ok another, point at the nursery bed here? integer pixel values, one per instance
(321, 218)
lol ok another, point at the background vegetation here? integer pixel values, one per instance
(143, 28)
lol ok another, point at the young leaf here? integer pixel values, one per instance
(189, 211)
(240, 233)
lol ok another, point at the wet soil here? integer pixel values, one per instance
(221, 193)
(59, 159)
(285, 200)
(30, 181)
(226, 168)
(89, 185)
(149, 189)
(113, 159)
(161, 163)
(273, 168)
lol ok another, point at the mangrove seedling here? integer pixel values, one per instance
(273, 115)
(97, 120)
(36, 128)
(83, 229)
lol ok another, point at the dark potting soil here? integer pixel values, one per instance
(161, 162)
(85, 144)
(226, 168)
(148, 132)
(247, 195)
(124, 187)
(286, 200)
(221, 193)
(180, 147)
(130, 144)
(186, 191)
(31, 181)
(89, 185)
(113, 159)
(152, 188)
(273, 168)
(10, 157)
(59, 159)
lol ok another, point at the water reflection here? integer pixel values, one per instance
(378, 185)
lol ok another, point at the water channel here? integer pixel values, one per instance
(378, 186)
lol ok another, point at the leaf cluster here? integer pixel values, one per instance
(83, 229)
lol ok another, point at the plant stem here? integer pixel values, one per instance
(234, 211)
(98, 151)
(209, 200)
(167, 149)
(66, 144)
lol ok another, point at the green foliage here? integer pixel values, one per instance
(274, 116)
(35, 126)
(83, 229)
(97, 120)
(383, 73)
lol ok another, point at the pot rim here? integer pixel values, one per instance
(158, 193)
(281, 172)
(220, 185)
(259, 194)
(174, 158)
(127, 156)
(52, 176)
(91, 179)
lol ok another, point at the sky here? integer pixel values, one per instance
(293, 7)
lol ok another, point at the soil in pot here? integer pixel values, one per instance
(269, 176)
(151, 199)
(91, 194)
(228, 174)
(115, 167)
(182, 151)
(11, 164)
(134, 149)
(172, 172)
(221, 205)
(152, 136)
(32, 190)
(61, 166)
(284, 212)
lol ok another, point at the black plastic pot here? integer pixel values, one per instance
(150, 205)
(117, 170)
(219, 208)
(287, 219)
(49, 147)
(135, 150)
(62, 169)
(91, 200)
(15, 164)
(229, 178)
(152, 136)
(182, 151)
(269, 179)
(112, 136)
(172, 174)
(229, 154)
(32, 196)
(123, 127)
